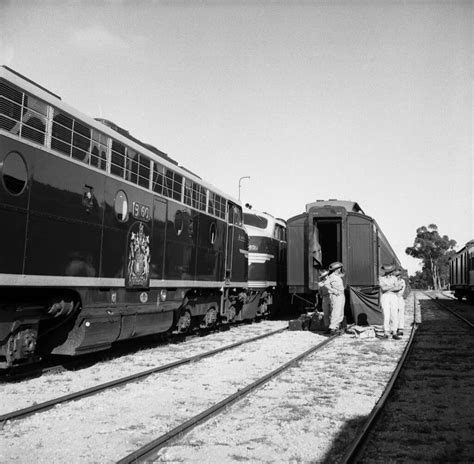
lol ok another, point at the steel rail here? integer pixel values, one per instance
(454, 313)
(357, 445)
(29, 411)
(150, 449)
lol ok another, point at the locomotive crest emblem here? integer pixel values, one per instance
(138, 268)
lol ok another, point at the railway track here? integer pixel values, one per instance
(149, 450)
(49, 365)
(425, 414)
(305, 412)
(36, 408)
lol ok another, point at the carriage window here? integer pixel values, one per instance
(121, 206)
(14, 173)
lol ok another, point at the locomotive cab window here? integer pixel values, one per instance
(14, 173)
(235, 215)
(121, 206)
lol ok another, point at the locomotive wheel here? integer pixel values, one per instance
(21, 346)
(230, 314)
(210, 319)
(184, 322)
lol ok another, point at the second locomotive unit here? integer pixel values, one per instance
(267, 262)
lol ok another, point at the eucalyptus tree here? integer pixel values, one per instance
(434, 250)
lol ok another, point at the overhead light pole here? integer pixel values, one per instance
(240, 180)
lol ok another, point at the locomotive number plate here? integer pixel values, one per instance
(141, 212)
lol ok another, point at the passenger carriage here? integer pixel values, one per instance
(331, 231)
(103, 238)
(461, 272)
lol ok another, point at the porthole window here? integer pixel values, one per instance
(212, 233)
(121, 206)
(14, 173)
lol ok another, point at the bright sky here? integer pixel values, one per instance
(368, 101)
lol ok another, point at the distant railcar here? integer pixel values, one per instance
(461, 272)
(338, 231)
(103, 238)
(267, 263)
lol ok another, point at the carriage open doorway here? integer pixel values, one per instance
(327, 238)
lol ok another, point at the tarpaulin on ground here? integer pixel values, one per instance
(365, 300)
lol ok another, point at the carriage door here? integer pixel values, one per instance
(230, 241)
(361, 251)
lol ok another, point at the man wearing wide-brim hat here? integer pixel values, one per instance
(337, 299)
(323, 291)
(389, 300)
(401, 301)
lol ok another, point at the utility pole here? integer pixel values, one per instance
(240, 180)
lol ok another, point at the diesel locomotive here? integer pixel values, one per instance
(331, 231)
(105, 238)
(461, 273)
(267, 262)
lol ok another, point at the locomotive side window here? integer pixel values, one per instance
(34, 119)
(14, 173)
(132, 166)
(138, 167)
(143, 171)
(62, 133)
(11, 101)
(99, 150)
(158, 178)
(117, 166)
(121, 206)
(81, 142)
(195, 195)
(216, 205)
(22, 114)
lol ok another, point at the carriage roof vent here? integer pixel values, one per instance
(350, 206)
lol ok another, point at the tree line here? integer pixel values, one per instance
(434, 251)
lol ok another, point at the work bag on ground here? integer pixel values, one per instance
(302, 323)
(363, 331)
(317, 322)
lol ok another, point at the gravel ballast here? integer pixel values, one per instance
(304, 415)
